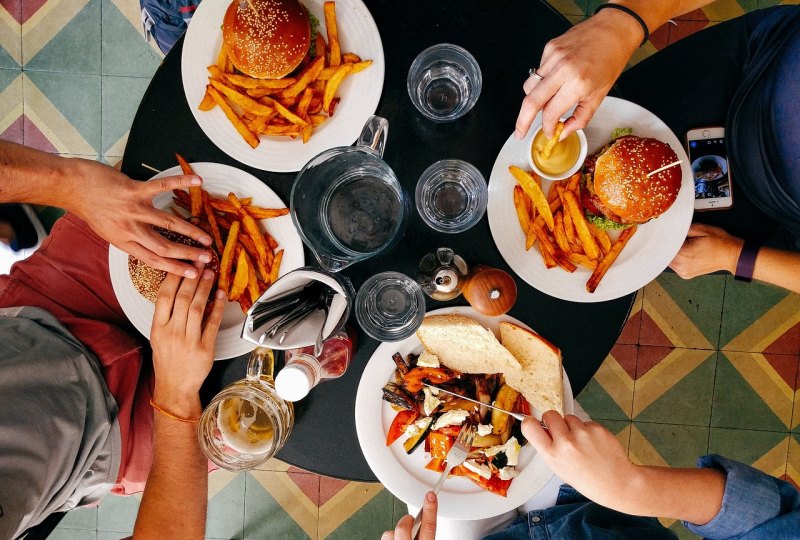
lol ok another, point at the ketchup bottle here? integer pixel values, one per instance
(303, 371)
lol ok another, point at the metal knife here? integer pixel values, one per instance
(518, 416)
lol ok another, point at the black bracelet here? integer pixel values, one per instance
(630, 12)
(747, 261)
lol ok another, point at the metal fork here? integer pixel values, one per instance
(456, 456)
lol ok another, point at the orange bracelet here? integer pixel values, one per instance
(170, 415)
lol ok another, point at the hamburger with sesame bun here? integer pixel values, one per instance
(147, 279)
(616, 191)
(266, 39)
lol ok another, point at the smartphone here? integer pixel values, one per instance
(710, 168)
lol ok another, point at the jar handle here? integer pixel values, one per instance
(374, 135)
(260, 364)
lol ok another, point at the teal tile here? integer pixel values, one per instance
(737, 404)
(77, 98)
(751, 447)
(225, 517)
(74, 49)
(7, 76)
(72, 534)
(124, 51)
(108, 535)
(264, 517)
(80, 518)
(680, 446)
(687, 401)
(117, 514)
(121, 97)
(744, 304)
(6, 60)
(370, 521)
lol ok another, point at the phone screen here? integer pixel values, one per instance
(709, 161)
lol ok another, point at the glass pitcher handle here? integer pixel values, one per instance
(374, 134)
(261, 364)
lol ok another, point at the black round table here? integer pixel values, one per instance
(506, 38)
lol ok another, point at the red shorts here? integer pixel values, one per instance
(68, 277)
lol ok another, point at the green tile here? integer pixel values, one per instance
(680, 446)
(749, 446)
(125, 51)
(370, 521)
(599, 405)
(264, 517)
(77, 97)
(225, 517)
(682, 532)
(72, 534)
(107, 535)
(399, 509)
(121, 97)
(767, 3)
(687, 402)
(744, 304)
(699, 298)
(80, 518)
(48, 215)
(75, 49)
(117, 514)
(738, 405)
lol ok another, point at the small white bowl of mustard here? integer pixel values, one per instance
(566, 158)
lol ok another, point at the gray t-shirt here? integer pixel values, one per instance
(59, 433)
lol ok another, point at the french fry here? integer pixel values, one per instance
(601, 236)
(222, 59)
(251, 227)
(522, 213)
(240, 278)
(271, 242)
(250, 247)
(560, 235)
(237, 122)
(207, 103)
(581, 226)
(552, 193)
(574, 183)
(350, 58)
(194, 191)
(276, 267)
(305, 78)
(555, 252)
(223, 205)
(244, 101)
(244, 81)
(553, 141)
(583, 260)
(609, 259)
(535, 193)
(332, 86)
(226, 263)
(569, 229)
(252, 281)
(305, 101)
(289, 115)
(333, 33)
(306, 131)
(320, 46)
(212, 221)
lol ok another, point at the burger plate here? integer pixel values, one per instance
(218, 180)
(359, 93)
(648, 252)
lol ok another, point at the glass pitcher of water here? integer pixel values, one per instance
(347, 203)
(247, 422)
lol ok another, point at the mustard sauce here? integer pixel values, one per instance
(562, 158)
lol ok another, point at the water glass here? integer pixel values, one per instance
(390, 306)
(444, 82)
(451, 196)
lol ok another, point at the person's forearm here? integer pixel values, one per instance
(175, 497)
(657, 12)
(693, 495)
(32, 176)
(781, 268)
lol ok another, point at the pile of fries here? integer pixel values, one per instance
(557, 225)
(233, 224)
(292, 106)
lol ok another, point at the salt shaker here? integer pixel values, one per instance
(303, 371)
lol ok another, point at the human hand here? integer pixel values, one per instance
(121, 211)
(183, 345)
(580, 67)
(584, 454)
(705, 250)
(427, 529)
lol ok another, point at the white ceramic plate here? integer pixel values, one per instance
(649, 251)
(405, 476)
(359, 93)
(218, 180)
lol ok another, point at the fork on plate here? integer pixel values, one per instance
(455, 457)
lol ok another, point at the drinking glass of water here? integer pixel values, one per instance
(451, 196)
(390, 306)
(444, 82)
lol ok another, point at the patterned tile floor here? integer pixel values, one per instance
(708, 365)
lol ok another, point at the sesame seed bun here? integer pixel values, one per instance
(266, 39)
(621, 186)
(147, 279)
